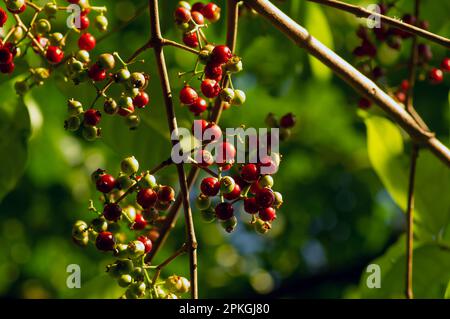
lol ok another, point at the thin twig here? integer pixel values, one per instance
(168, 261)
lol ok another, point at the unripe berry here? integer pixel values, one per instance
(267, 214)
(147, 243)
(72, 123)
(54, 54)
(106, 61)
(227, 184)
(266, 181)
(92, 117)
(138, 273)
(105, 241)
(221, 54)
(250, 205)
(224, 211)
(208, 215)
(121, 252)
(265, 197)
(166, 194)
(136, 248)
(124, 182)
(99, 224)
(80, 230)
(227, 95)
(250, 173)
(188, 95)
(148, 181)
(42, 26)
(133, 121)
(101, 23)
(230, 224)
(203, 202)
(210, 186)
(110, 106)
(112, 212)
(124, 281)
(136, 290)
(177, 284)
(288, 120)
(105, 183)
(129, 165)
(86, 42)
(261, 226)
(126, 106)
(139, 222)
(122, 75)
(234, 65)
(137, 80)
(239, 97)
(146, 197)
(83, 56)
(278, 200)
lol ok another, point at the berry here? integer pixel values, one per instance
(3, 17)
(250, 173)
(204, 158)
(266, 181)
(278, 200)
(146, 197)
(425, 53)
(445, 65)
(213, 71)
(166, 194)
(199, 106)
(84, 22)
(105, 183)
(122, 75)
(101, 23)
(239, 97)
(225, 153)
(400, 96)
(105, 241)
(92, 117)
(250, 205)
(203, 202)
(7, 68)
(211, 11)
(129, 165)
(125, 105)
(147, 243)
(138, 80)
(106, 61)
(436, 76)
(188, 95)
(210, 88)
(198, 6)
(288, 120)
(227, 184)
(141, 100)
(364, 103)
(224, 211)
(198, 17)
(136, 248)
(112, 212)
(230, 224)
(404, 85)
(267, 214)
(190, 39)
(86, 42)
(6, 56)
(234, 194)
(226, 95)
(221, 54)
(139, 222)
(96, 73)
(265, 197)
(182, 15)
(210, 186)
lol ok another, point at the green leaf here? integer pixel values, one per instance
(447, 291)
(14, 132)
(317, 24)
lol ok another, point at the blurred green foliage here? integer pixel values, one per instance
(343, 188)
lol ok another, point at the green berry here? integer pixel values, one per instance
(83, 56)
(227, 184)
(177, 284)
(90, 133)
(203, 202)
(227, 95)
(266, 181)
(129, 165)
(234, 65)
(230, 224)
(148, 181)
(137, 80)
(138, 274)
(121, 251)
(74, 107)
(208, 215)
(110, 106)
(99, 224)
(130, 211)
(125, 267)
(50, 9)
(136, 248)
(261, 226)
(79, 230)
(101, 23)
(133, 121)
(122, 75)
(124, 281)
(106, 61)
(278, 200)
(239, 97)
(124, 182)
(72, 123)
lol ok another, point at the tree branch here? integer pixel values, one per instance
(351, 75)
(364, 13)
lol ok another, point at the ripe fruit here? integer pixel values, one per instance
(197, 17)
(147, 243)
(221, 54)
(146, 197)
(213, 71)
(139, 222)
(96, 73)
(211, 11)
(445, 65)
(129, 165)
(364, 103)
(234, 194)
(404, 85)
(224, 211)
(166, 194)
(250, 205)
(105, 241)
(225, 153)
(436, 76)
(190, 39)
(198, 6)
(188, 95)
(288, 120)
(112, 212)
(210, 186)
(84, 22)
(141, 100)
(199, 106)
(250, 173)
(6, 56)
(265, 197)
(3, 17)
(54, 54)
(92, 117)
(267, 214)
(182, 15)
(7, 68)
(105, 183)
(210, 88)
(86, 42)
(227, 184)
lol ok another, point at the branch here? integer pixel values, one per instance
(191, 240)
(364, 13)
(351, 75)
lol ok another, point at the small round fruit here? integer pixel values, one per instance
(105, 241)
(138, 80)
(106, 61)
(96, 73)
(122, 75)
(110, 106)
(210, 186)
(99, 224)
(210, 88)
(445, 65)
(148, 181)
(261, 227)
(147, 198)
(190, 39)
(92, 117)
(234, 194)
(54, 54)
(227, 184)
(227, 95)
(139, 222)
(141, 100)
(105, 183)
(166, 194)
(199, 106)
(112, 212)
(288, 120)
(224, 211)
(202, 202)
(182, 15)
(250, 205)
(221, 54)
(364, 103)
(87, 42)
(124, 281)
(211, 11)
(80, 230)
(278, 200)
(213, 71)
(436, 76)
(147, 243)
(265, 197)
(239, 97)
(230, 224)
(267, 214)
(136, 248)
(250, 173)
(129, 165)
(188, 95)
(197, 17)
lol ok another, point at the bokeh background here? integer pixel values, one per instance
(343, 173)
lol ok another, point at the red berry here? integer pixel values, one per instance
(267, 214)
(182, 15)
(224, 211)
(210, 186)
(198, 127)
(141, 100)
(42, 41)
(400, 96)
(234, 194)
(211, 11)
(73, 1)
(7, 68)
(250, 205)
(18, 11)
(210, 88)
(190, 39)
(86, 42)
(204, 158)
(445, 65)
(166, 194)
(125, 111)
(424, 24)
(188, 95)
(424, 51)
(105, 183)
(105, 241)
(225, 153)
(112, 212)
(198, 6)
(96, 73)
(436, 76)
(213, 71)
(199, 106)
(139, 222)
(364, 103)
(404, 85)
(84, 22)
(146, 197)
(3, 17)
(221, 54)
(250, 173)
(54, 54)
(288, 120)
(92, 117)
(198, 17)
(147, 243)
(265, 197)
(6, 56)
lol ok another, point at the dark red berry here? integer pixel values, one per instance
(6, 56)
(250, 173)
(141, 100)
(225, 153)
(213, 71)
(105, 241)
(73, 1)
(221, 54)
(400, 96)
(267, 214)
(112, 212)
(199, 106)
(182, 15)
(288, 120)
(54, 54)
(211, 11)
(210, 186)
(147, 243)
(234, 194)
(96, 73)
(364, 103)
(84, 22)
(224, 211)
(425, 53)
(190, 39)
(105, 183)
(86, 42)
(92, 117)
(436, 76)
(404, 85)
(445, 65)
(139, 222)
(166, 194)
(18, 11)
(424, 24)
(147, 198)
(210, 88)
(188, 95)
(3, 17)
(265, 197)
(198, 17)
(198, 6)
(250, 205)
(7, 68)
